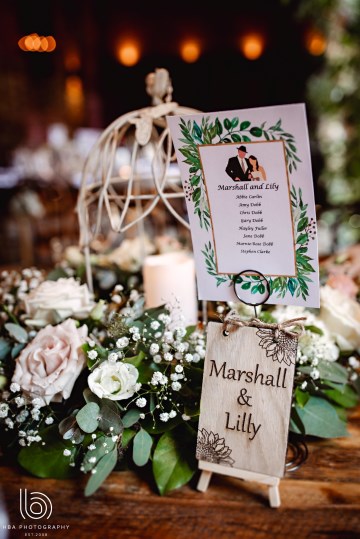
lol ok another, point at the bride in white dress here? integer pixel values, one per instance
(257, 172)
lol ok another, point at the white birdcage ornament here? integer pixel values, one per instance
(104, 187)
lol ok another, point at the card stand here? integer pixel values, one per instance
(208, 468)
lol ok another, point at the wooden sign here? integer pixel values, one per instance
(246, 402)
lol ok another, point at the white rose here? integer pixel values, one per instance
(341, 316)
(114, 381)
(130, 255)
(54, 301)
(50, 364)
(74, 256)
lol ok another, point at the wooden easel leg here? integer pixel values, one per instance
(204, 481)
(274, 496)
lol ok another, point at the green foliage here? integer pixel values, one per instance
(209, 255)
(17, 332)
(5, 348)
(48, 460)
(88, 417)
(131, 417)
(110, 418)
(174, 460)
(103, 469)
(319, 418)
(301, 397)
(343, 395)
(297, 285)
(142, 447)
(329, 371)
(127, 436)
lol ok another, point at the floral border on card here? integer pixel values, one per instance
(230, 131)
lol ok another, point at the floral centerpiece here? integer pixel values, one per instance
(88, 386)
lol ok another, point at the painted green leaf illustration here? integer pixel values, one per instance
(227, 124)
(256, 131)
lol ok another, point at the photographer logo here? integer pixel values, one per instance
(35, 505)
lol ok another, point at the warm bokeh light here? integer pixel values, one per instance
(44, 44)
(29, 43)
(74, 98)
(252, 45)
(74, 91)
(21, 43)
(51, 43)
(128, 53)
(36, 43)
(72, 60)
(315, 42)
(190, 51)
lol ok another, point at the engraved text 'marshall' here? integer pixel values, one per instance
(250, 377)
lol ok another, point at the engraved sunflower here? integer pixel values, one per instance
(212, 448)
(279, 345)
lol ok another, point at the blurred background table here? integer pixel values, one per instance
(321, 499)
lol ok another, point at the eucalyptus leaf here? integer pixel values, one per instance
(173, 461)
(16, 350)
(110, 419)
(130, 418)
(48, 460)
(296, 424)
(89, 396)
(67, 427)
(5, 348)
(102, 444)
(333, 371)
(320, 419)
(329, 371)
(17, 332)
(142, 447)
(87, 417)
(104, 467)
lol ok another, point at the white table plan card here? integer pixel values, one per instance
(249, 190)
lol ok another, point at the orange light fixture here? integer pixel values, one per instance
(252, 45)
(315, 42)
(36, 43)
(128, 53)
(190, 51)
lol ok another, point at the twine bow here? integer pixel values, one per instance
(232, 319)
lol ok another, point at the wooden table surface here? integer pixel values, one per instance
(321, 499)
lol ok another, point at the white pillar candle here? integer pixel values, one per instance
(168, 277)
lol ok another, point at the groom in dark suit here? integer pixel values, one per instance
(238, 167)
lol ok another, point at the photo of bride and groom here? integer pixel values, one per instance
(241, 168)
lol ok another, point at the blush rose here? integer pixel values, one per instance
(51, 363)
